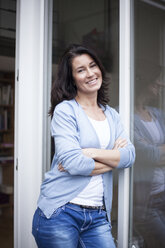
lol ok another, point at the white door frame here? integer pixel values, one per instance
(30, 111)
(124, 110)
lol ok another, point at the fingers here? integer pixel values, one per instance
(60, 168)
(120, 143)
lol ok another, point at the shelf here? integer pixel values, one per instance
(6, 189)
(6, 106)
(7, 146)
(7, 164)
(6, 130)
(6, 80)
(6, 205)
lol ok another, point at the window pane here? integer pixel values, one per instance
(149, 125)
(94, 23)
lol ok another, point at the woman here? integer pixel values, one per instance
(75, 201)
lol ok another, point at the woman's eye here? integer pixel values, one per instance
(81, 70)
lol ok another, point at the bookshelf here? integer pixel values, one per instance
(6, 142)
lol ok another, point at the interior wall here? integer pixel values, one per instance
(81, 21)
(75, 20)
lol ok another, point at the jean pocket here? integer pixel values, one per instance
(54, 214)
(48, 227)
(57, 212)
(103, 213)
(104, 216)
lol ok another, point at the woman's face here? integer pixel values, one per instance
(155, 89)
(86, 74)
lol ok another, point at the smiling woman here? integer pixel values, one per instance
(76, 196)
(79, 63)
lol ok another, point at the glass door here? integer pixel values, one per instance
(95, 24)
(148, 175)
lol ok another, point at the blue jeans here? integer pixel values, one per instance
(71, 226)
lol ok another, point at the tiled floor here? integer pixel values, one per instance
(6, 232)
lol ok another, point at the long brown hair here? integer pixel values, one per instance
(64, 88)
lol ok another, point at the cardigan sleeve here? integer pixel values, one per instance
(66, 137)
(127, 154)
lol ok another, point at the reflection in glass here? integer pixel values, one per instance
(149, 127)
(95, 24)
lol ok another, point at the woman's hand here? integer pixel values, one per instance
(120, 143)
(61, 168)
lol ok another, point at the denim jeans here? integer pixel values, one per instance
(71, 226)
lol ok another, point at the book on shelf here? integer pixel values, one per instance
(5, 94)
(11, 98)
(6, 145)
(5, 119)
(6, 189)
(6, 159)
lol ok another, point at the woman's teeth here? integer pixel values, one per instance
(92, 81)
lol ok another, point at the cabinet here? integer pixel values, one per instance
(6, 142)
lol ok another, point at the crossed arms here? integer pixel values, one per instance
(105, 160)
(73, 159)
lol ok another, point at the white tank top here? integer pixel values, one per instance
(92, 194)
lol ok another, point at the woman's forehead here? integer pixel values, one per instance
(82, 60)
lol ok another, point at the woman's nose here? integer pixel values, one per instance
(89, 72)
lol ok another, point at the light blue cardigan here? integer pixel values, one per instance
(73, 131)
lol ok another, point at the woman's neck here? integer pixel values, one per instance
(87, 101)
(91, 108)
(140, 107)
(143, 112)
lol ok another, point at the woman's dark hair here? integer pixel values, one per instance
(64, 88)
(146, 75)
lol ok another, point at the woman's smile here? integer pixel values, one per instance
(92, 82)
